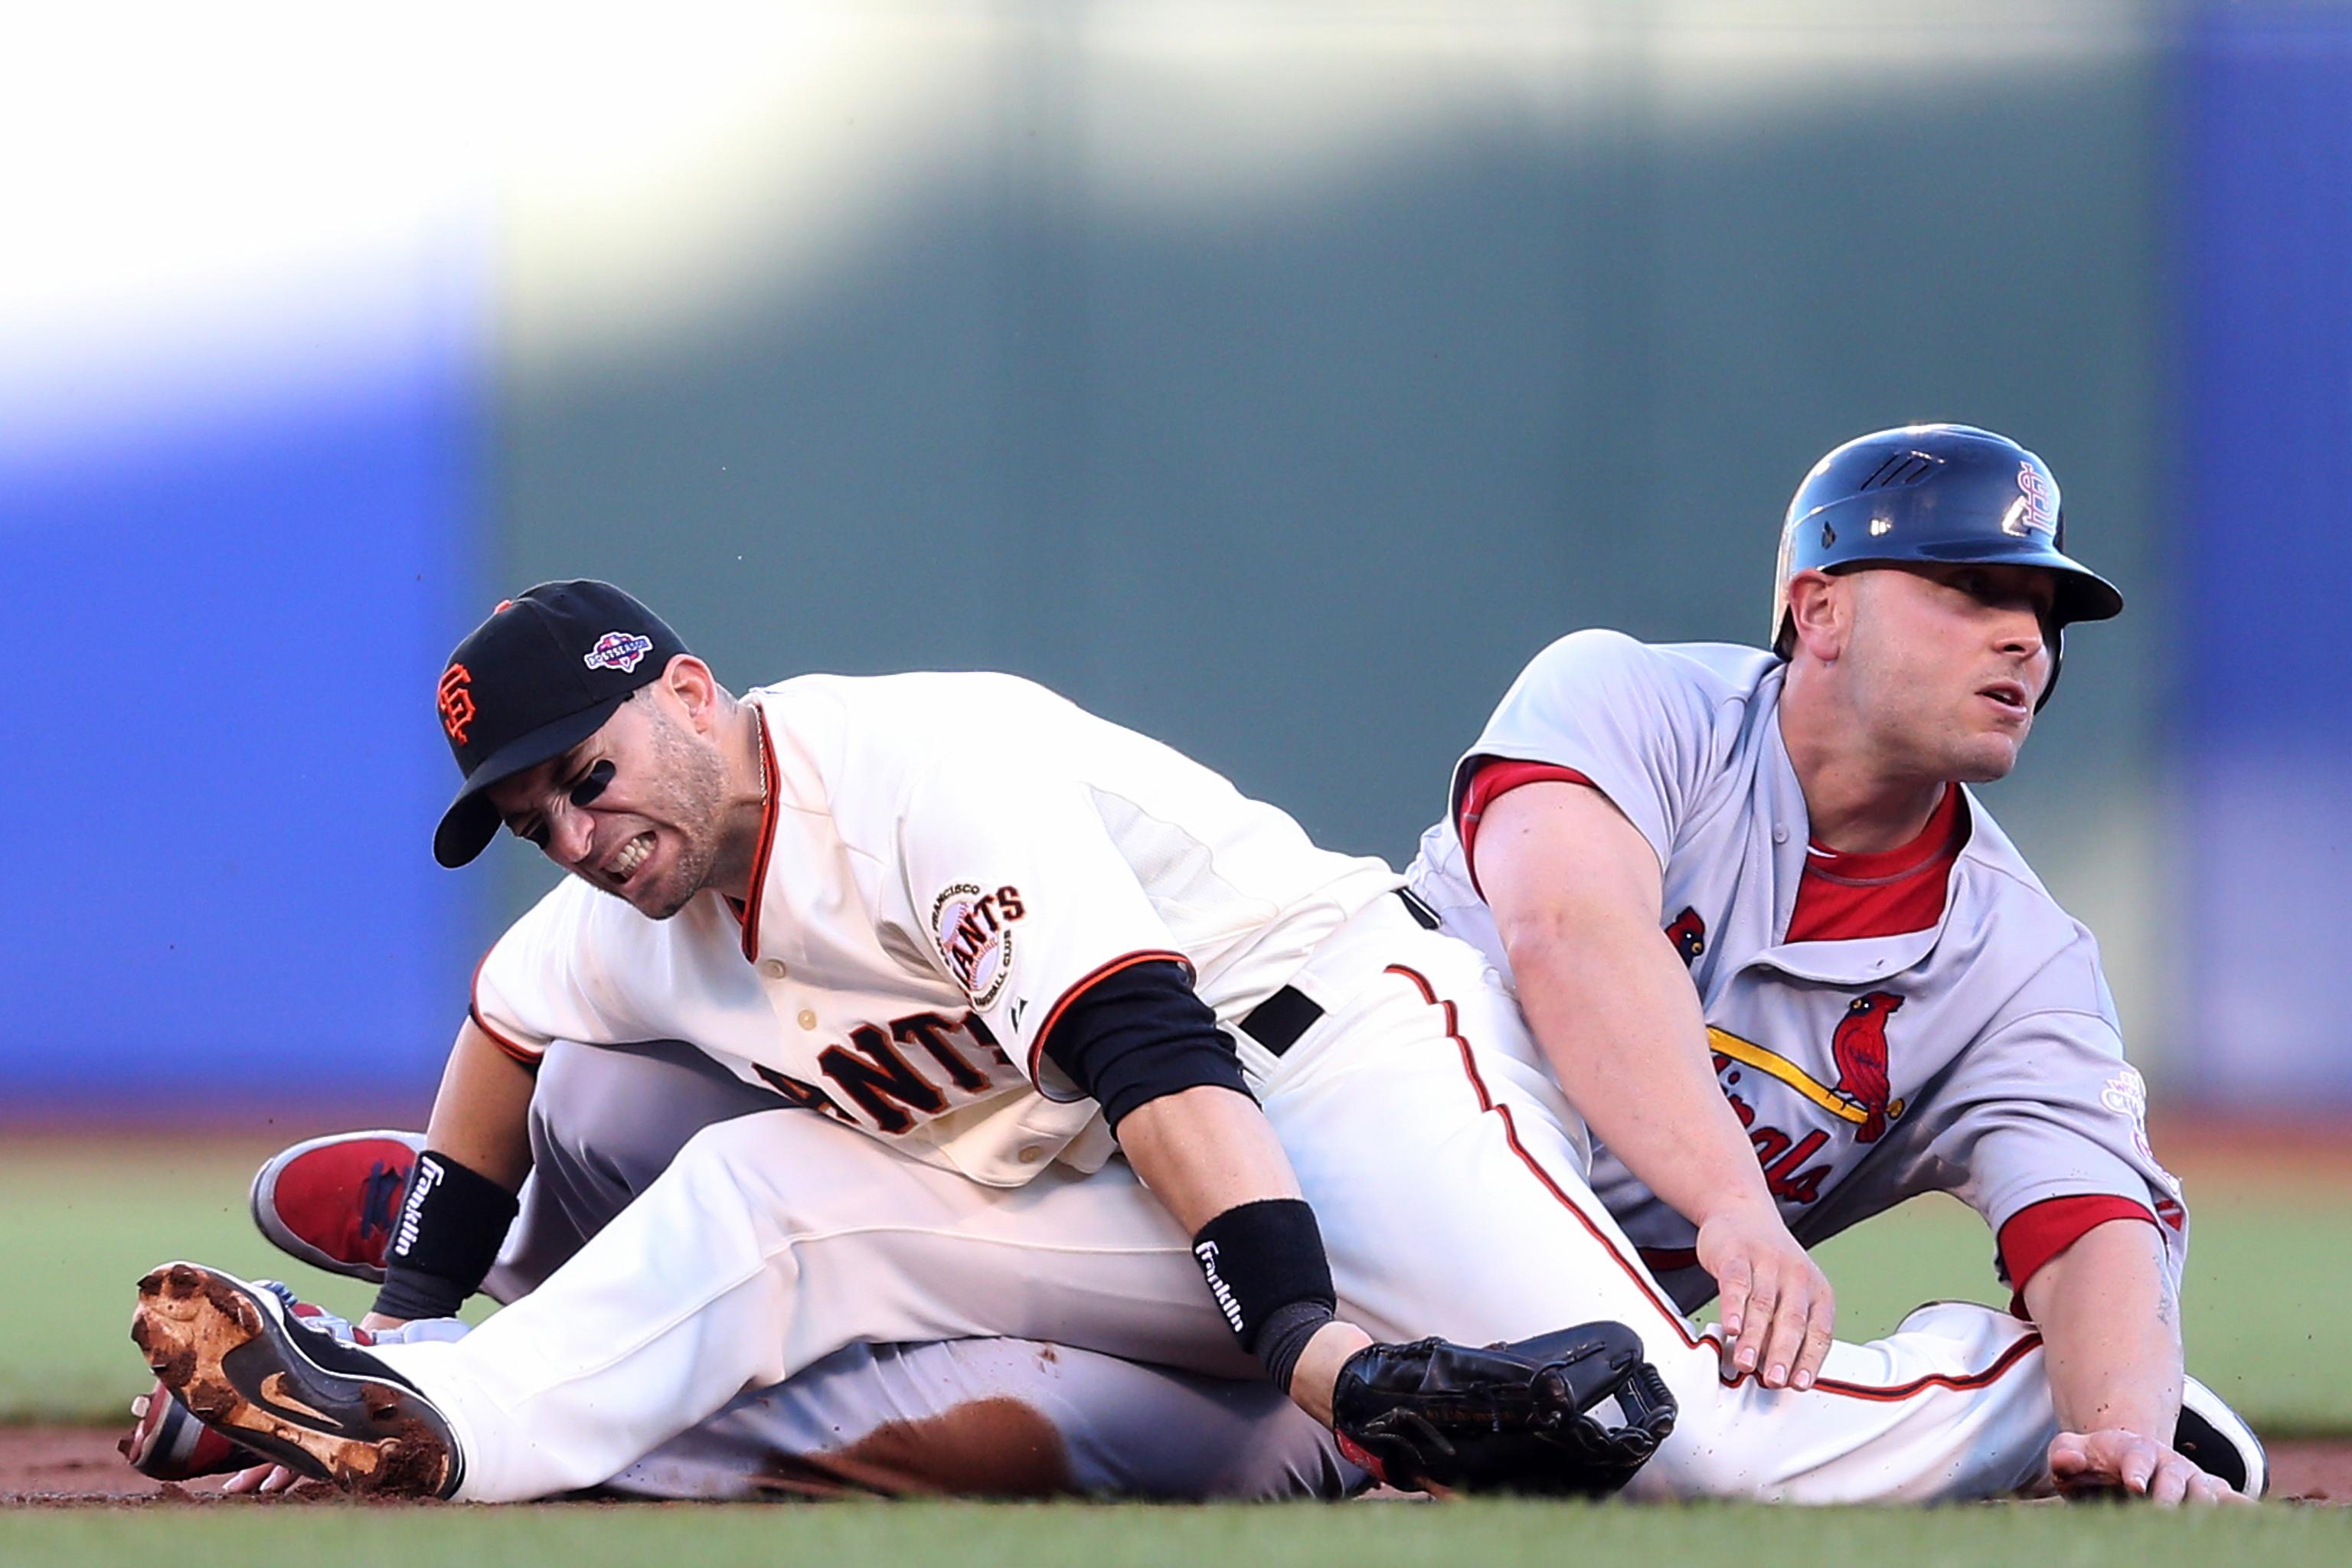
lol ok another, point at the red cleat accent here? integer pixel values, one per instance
(331, 1202)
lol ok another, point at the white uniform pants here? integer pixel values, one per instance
(1449, 1179)
(1448, 1173)
(993, 1418)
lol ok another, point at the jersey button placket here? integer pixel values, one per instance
(774, 968)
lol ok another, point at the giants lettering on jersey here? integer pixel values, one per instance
(880, 1073)
(1860, 1096)
(974, 930)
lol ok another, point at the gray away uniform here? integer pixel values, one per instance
(1980, 1056)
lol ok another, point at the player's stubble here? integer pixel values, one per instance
(685, 798)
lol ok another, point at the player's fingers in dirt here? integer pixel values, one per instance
(261, 1480)
(2178, 1480)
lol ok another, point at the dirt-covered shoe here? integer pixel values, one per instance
(243, 1364)
(330, 1202)
(168, 1442)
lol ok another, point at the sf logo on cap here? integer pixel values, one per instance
(456, 701)
(618, 650)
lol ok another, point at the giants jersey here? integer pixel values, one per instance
(946, 862)
(1981, 1055)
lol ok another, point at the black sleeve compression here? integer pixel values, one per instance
(1138, 1035)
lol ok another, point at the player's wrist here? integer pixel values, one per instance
(1264, 1267)
(1315, 1383)
(1734, 1205)
(452, 1223)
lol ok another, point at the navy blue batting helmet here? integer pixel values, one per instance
(1926, 493)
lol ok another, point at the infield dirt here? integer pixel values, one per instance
(77, 1467)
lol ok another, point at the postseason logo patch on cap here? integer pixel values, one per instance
(618, 650)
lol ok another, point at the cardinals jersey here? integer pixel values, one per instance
(1978, 1056)
(946, 862)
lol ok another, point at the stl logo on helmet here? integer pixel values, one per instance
(2037, 505)
(456, 701)
(974, 933)
(622, 651)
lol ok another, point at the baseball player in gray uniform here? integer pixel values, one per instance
(1863, 993)
(890, 929)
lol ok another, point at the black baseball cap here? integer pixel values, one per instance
(541, 676)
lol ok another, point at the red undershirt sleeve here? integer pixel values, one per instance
(2040, 1232)
(1496, 777)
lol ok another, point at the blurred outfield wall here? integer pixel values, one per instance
(1274, 380)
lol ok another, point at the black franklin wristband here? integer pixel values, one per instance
(451, 1225)
(1265, 1264)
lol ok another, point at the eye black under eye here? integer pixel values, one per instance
(592, 784)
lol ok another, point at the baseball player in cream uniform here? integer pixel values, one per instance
(941, 878)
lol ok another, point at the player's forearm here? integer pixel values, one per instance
(2110, 1326)
(1205, 1151)
(452, 1219)
(1575, 889)
(1620, 1027)
(481, 1114)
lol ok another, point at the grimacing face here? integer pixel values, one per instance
(634, 810)
(1946, 662)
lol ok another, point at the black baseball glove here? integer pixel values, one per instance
(1436, 1416)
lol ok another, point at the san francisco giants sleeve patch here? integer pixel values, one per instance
(974, 930)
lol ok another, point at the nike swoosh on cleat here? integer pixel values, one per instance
(274, 1396)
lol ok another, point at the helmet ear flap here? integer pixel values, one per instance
(2057, 658)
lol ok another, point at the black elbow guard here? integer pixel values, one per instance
(1138, 1035)
(450, 1228)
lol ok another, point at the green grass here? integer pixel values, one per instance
(80, 1224)
(2266, 1266)
(1407, 1535)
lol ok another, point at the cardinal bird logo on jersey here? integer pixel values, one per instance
(1859, 1047)
(1689, 933)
